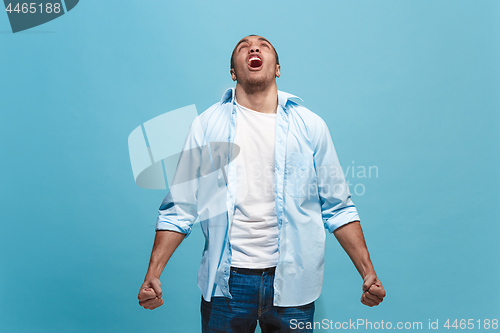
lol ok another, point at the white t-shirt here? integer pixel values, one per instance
(254, 229)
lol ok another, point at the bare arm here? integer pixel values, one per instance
(165, 243)
(350, 237)
(150, 294)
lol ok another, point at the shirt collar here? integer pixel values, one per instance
(283, 97)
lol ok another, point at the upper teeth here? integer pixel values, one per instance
(254, 58)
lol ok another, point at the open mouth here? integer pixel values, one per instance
(255, 61)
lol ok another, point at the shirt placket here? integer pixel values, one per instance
(230, 201)
(282, 125)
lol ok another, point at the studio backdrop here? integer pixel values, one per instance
(95, 100)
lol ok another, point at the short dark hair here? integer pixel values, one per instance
(234, 51)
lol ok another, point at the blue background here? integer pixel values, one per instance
(411, 87)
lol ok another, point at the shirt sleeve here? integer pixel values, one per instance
(178, 210)
(337, 207)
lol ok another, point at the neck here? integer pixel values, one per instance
(265, 101)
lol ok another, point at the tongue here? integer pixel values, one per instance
(255, 63)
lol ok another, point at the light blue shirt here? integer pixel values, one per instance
(310, 189)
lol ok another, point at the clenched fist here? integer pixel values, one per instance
(150, 294)
(373, 291)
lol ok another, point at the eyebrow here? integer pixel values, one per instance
(244, 40)
(265, 40)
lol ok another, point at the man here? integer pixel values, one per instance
(261, 173)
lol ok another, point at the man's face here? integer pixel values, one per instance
(255, 62)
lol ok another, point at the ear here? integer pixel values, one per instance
(233, 74)
(278, 72)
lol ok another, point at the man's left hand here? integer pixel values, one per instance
(373, 291)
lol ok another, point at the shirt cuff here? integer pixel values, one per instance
(166, 225)
(342, 217)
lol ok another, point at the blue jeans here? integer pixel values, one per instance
(252, 301)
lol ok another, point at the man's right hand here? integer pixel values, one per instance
(166, 242)
(150, 294)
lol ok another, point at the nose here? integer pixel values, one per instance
(254, 49)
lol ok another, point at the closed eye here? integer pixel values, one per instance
(243, 45)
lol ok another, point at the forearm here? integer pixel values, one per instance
(350, 237)
(165, 243)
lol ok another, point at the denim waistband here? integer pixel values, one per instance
(253, 271)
